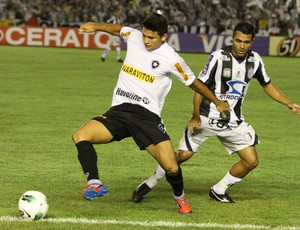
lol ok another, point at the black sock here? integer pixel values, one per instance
(176, 183)
(88, 159)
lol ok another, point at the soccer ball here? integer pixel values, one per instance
(33, 205)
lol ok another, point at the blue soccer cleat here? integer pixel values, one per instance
(94, 191)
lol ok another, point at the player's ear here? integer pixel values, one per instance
(164, 37)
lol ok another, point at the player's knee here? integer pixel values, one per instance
(252, 164)
(182, 156)
(172, 170)
(78, 136)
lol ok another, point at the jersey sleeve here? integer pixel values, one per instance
(208, 73)
(182, 71)
(261, 73)
(125, 32)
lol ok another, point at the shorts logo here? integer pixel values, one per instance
(248, 137)
(155, 64)
(197, 141)
(161, 127)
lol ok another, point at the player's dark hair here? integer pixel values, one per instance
(245, 28)
(156, 22)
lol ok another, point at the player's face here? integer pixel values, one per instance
(241, 44)
(152, 39)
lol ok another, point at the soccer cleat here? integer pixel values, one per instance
(94, 191)
(140, 192)
(183, 206)
(103, 59)
(120, 60)
(223, 198)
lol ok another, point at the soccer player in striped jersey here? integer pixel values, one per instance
(227, 73)
(144, 81)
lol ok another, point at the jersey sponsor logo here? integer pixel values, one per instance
(180, 70)
(125, 34)
(138, 74)
(224, 58)
(132, 96)
(155, 64)
(251, 59)
(235, 87)
(235, 92)
(226, 73)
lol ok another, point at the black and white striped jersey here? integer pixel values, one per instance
(229, 79)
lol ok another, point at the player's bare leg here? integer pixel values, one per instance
(248, 161)
(165, 156)
(145, 187)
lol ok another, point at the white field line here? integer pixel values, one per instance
(152, 223)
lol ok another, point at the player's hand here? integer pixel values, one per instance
(194, 123)
(294, 108)
(223, 108)
(87, 28)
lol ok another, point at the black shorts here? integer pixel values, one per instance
(129, 120)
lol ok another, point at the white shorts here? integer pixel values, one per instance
(114, 40)
(233, 139)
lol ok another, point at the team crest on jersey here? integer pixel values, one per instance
(250, 72)
(155, 64)
(226, 72)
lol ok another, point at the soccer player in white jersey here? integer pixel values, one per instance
(144, 81)
(227, 73)
(114, 41)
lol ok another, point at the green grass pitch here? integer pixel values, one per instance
(47, 93)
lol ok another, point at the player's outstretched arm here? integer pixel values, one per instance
(91, 27)
(273, 91)
(195, 120)
(199, 87)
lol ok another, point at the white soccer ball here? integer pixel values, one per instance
(33, 205)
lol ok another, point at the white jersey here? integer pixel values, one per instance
(145, 78)
(229, 79)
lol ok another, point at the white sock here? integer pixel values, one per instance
(105, 52)
(118, 49)
(179, 197)
(227, 181)
(94, 181)
(158, 174)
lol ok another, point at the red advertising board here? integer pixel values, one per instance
(53, 37)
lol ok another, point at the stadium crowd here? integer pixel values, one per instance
(270, 17)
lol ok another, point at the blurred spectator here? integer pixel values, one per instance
(33, 21)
